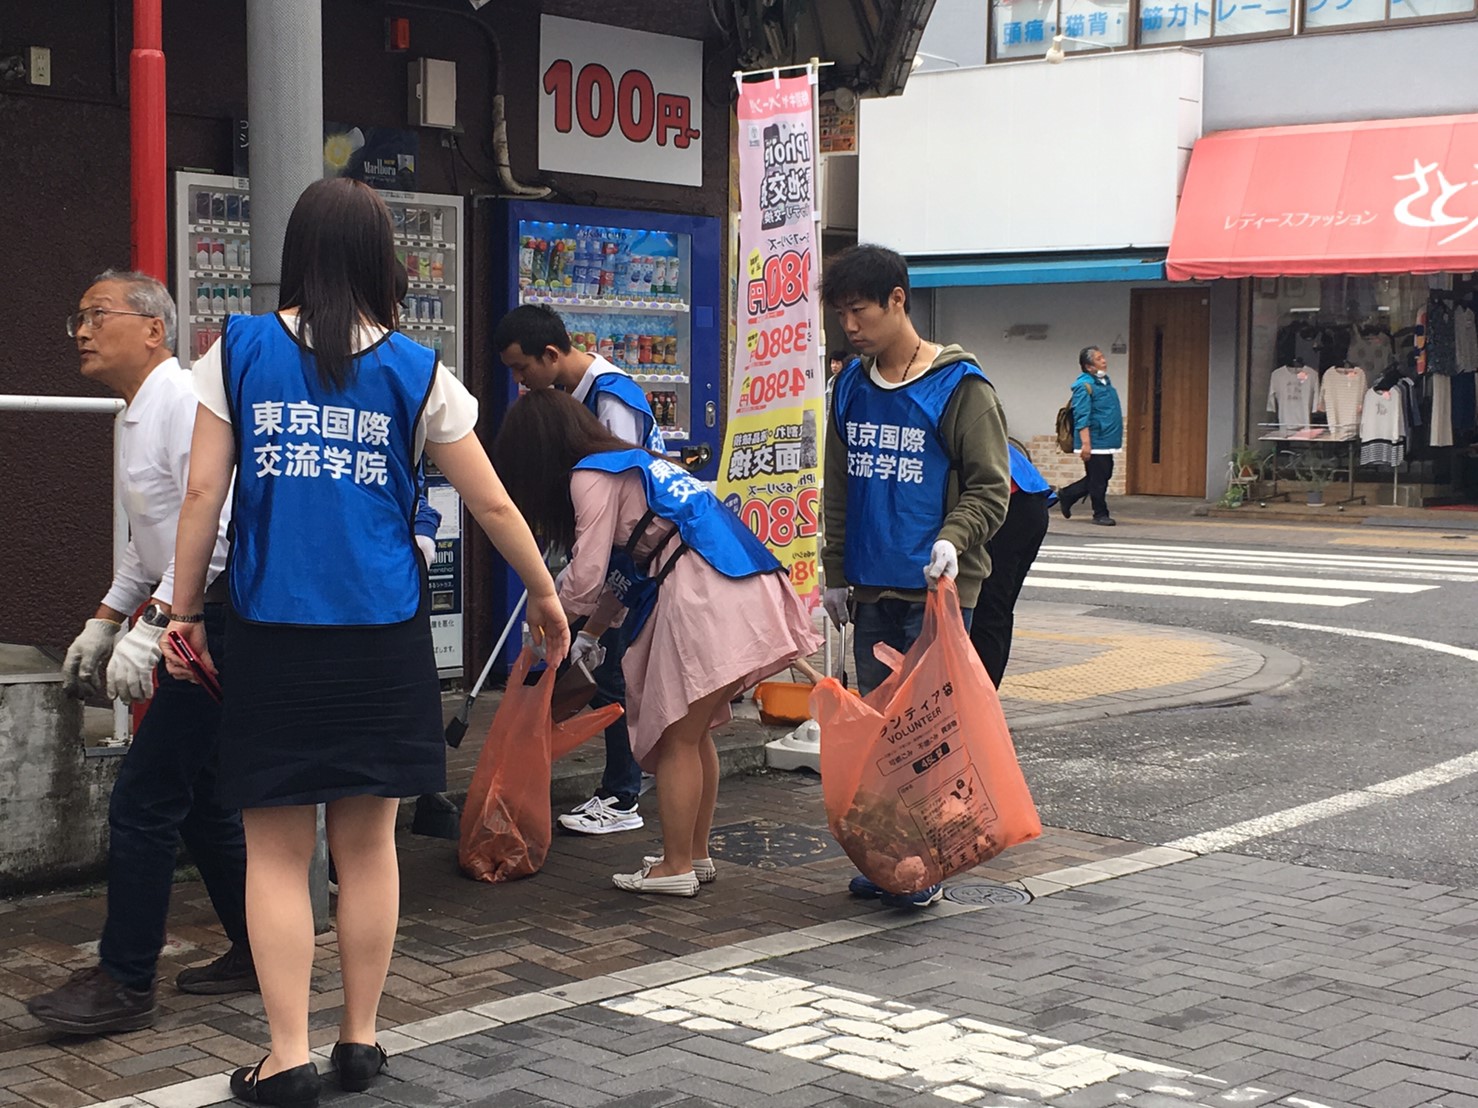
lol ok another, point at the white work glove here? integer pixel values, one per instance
(835, 603)
(944, 562)
(131, 672)
(85, 667)
(427, 546)
(587, 651)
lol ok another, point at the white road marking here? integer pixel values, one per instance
(1230, 578)
(1190, 591)
(959, 1058)
(1318, 558)
(1379, 636)
(1232, 559)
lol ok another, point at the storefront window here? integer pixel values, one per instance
(1023, 28)
(1164, 22)
(1093, 24)
(1236, 17)
(1319, 14)
(1418, 9)
(1306, 327)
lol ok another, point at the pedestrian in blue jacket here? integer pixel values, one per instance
(1098, 424)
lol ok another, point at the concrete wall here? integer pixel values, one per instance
(53, 794)
(65, 193)
(1327, 78)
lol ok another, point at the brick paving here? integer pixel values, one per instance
(464, 944)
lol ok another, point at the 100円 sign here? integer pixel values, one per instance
(619, 103)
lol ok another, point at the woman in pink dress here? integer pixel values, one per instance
(708, 610)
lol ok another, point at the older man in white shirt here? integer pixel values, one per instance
(124, 328)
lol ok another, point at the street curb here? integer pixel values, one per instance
(1279, 667)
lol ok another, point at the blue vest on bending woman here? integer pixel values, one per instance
(314, 462)
(700, 521)
(628, 392)
(898, 472)
(1025, 477)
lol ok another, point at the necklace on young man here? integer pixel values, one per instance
(912, 358)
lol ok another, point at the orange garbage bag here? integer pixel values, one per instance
(920, 777)
(506, 823)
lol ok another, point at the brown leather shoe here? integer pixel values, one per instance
(92, 1003)
(232, 972)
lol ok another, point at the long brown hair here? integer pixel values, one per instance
(543, 436)
(338, 267)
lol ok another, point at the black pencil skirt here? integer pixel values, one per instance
(318, 713)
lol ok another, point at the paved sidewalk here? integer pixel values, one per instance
(462, 944)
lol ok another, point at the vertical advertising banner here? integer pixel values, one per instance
(770, 473)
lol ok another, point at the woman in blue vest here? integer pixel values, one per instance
(708, 610)
(1012, 550)
(323, 410)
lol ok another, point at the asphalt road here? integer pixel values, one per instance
(1329, 757)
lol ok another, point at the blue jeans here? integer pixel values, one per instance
(895, 622)
(165, 792)
(622, 778)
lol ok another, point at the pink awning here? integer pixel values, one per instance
(1385, 196)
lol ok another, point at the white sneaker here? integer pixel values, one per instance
(598, 816)
(703, 868)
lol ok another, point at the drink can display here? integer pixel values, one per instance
(669, 350)
(618, 350)
(607, 347)
(673, 269)
(646, 350)
(659, 277)
(607, 286)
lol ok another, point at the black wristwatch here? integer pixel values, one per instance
(155, 616)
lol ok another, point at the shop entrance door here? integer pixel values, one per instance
(1168, 391)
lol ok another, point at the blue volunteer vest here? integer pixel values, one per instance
(897, 472)
(624, 389)
(1024, 474)
(325, 481)
(703, 524)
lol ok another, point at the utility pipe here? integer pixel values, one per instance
(146, 111)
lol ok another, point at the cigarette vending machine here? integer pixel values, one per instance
(641, 289)
(212, 270)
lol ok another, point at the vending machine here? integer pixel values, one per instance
(642, 290)
(212, 237)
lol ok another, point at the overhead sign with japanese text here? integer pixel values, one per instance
(620, 103)
(770, 472)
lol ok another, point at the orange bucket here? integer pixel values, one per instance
(783, 701)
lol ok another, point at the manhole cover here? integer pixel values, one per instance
(766, 844)
(986, 892)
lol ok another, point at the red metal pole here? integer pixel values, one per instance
(150, 215)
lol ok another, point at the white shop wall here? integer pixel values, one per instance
(1032, 377)
(1088, 155)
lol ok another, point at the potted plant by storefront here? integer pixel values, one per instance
(1245, 469)
(1316, 472)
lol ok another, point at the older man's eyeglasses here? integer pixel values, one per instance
(93, 317)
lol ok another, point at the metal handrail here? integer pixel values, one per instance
(90, 405)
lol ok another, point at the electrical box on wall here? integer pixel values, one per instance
(432, 86)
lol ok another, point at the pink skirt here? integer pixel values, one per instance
(707, 632)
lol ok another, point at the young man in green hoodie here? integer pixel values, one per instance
(918, 477)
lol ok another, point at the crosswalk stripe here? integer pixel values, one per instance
(1231, 578)
(1147, 589)
(1372, 560)
(1306, 564)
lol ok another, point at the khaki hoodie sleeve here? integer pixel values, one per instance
(834, 505)
(974, 427)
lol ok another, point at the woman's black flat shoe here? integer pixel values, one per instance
(358, 1064)
(294, 1088)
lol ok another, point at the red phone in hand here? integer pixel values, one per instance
(206, 678)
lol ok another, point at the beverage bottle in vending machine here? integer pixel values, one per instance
(526, 262)
(607, 265)
(540, 264)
